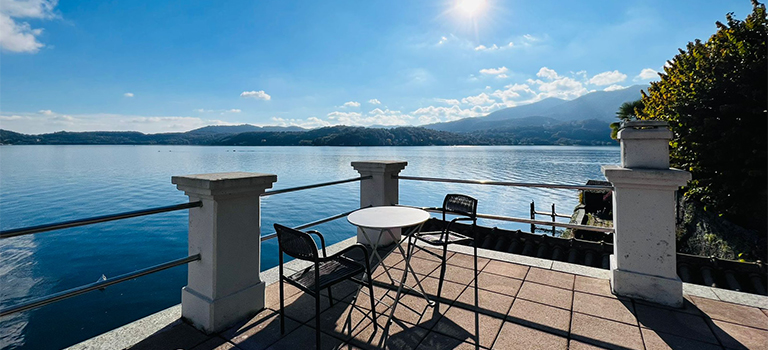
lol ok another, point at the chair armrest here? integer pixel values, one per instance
(448, 227)
(322, 240)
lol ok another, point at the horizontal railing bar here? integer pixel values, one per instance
(96, 285)
(504, 183)
(299, 188)
(94, 220)
(550, 214)
(310, 224)
(527, 221)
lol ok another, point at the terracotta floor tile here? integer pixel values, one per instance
(343, 320)
(260, 331)
(215, 343)
(593, 285)
(506, 269)
(495, 283)
(546, 318)
(491, 303)
(301, 307)
(468, 261)
(455, 274)
(437, 341)
(577, 345)
(549, 277)
(734, 336)
(664, 341)
(677, 323)
(304, 338)
(421, 266)
(459, 323)
(606, 307)
(548, 295)
(400, 335)
(411, 309)
(178, 335)
(515, 336)
(272, 294)
(424, 255)
(451, 290)
(739, 314)
(605, 333)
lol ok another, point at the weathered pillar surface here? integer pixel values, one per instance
(224, 286)
(380, 190)
(643, 264)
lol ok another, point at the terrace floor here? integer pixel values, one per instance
(520, 307)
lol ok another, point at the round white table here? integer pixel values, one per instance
(385, 219)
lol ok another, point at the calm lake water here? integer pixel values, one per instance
(45, 184)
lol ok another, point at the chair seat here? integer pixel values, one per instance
(330, 272)
(437, 238)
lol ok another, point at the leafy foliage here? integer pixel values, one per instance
(713, 94)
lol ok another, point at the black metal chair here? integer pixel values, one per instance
(323, 273)
(465, 207)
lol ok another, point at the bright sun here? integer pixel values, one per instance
(470, 7)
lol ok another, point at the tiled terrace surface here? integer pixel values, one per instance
(520, 307)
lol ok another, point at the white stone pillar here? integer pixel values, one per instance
(382, 189)
(224, 286)
(644, 260)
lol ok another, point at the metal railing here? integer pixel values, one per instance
(49, 299)
(310, 224)
(505, 183)
(95, 220)
(306, 187)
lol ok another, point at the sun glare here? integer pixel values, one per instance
(470, 7)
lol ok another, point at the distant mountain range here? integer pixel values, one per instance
(598, 105)
(552, 121)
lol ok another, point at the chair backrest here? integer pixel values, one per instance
(460, 204)
(295, 243)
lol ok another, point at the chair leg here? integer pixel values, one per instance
(477, 301)
(282, 308)
(373, 305)
(330, 296)
(317, 319)
(442, 271)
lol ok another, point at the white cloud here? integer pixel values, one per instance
(234, 110)
(511, 44)
(493, 47)
(442, 40)
(45, 111)
(128, 94)
(545, 72)
(448, 101)
(309, 123)
(512, 92)
(375, 117)
(374, 101)
(259, 95)
(646, 74)
(614, 87)
(530, 38)
(351, 104)
(494, 71)
(220, 111)
(481, 99)
(608, 78)
(20, 36)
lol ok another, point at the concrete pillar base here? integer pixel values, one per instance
(215, 315)
(656, 289)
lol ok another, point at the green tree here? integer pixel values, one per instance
(714, 96)
(627, 111)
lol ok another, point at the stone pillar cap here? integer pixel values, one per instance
(670, 177)
(644, 124)
(224, 183)
(380, 165)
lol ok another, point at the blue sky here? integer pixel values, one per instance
(160, 66)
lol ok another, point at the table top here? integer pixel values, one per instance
(387, 217)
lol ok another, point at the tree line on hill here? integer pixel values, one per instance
(583, 132)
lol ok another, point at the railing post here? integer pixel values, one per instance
(643, 264)
(224, 286)
(381, 189)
